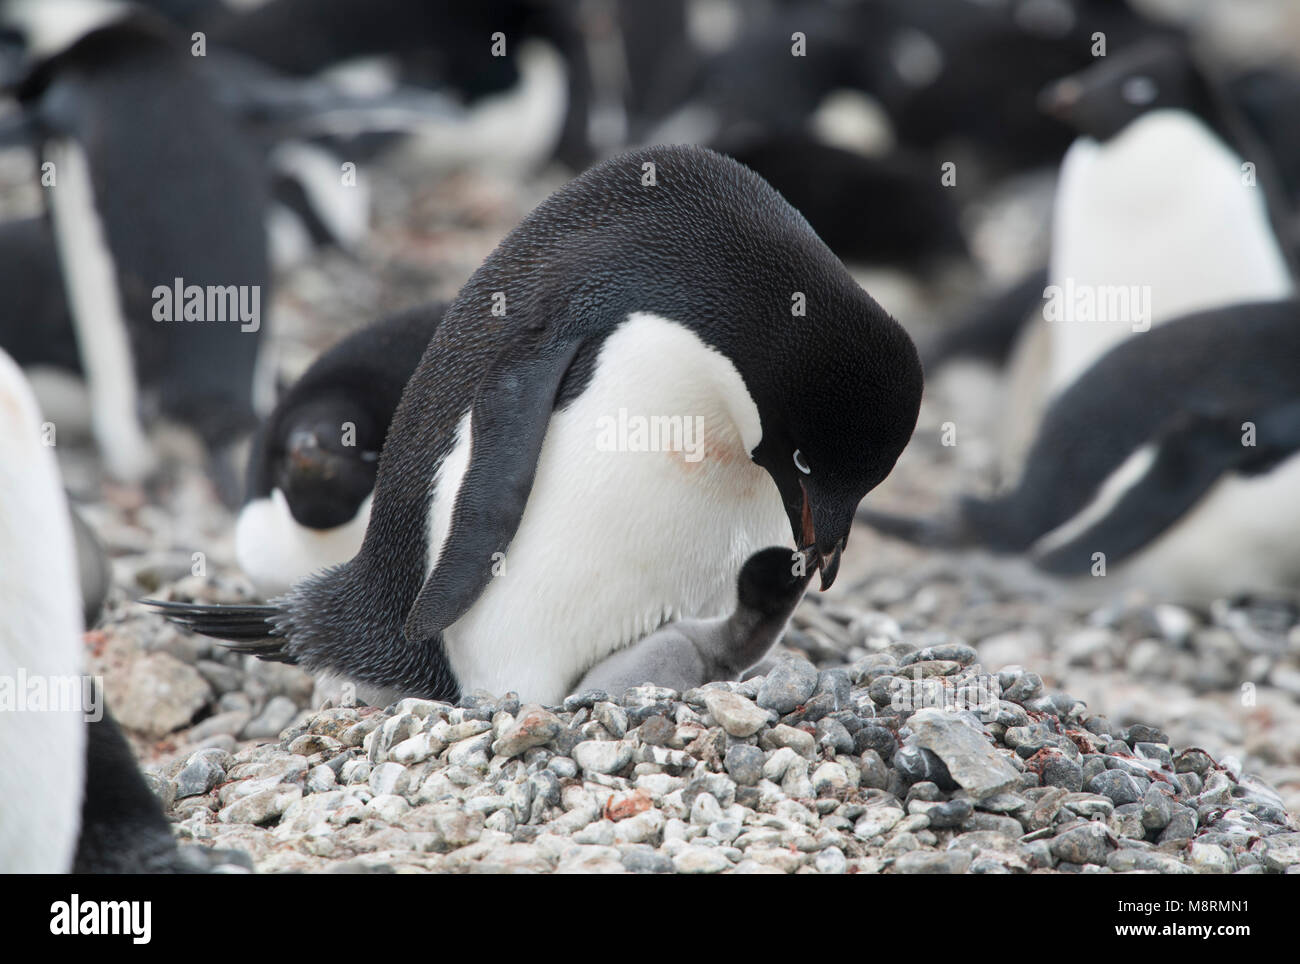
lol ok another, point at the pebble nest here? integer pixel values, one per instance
(910, 759)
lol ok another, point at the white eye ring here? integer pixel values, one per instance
(1139, 91)
(801, 463)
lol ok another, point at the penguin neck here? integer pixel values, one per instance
(753, 634)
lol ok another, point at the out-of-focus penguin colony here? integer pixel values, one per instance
(231, 228)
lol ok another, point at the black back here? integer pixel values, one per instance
(711, 246)
(890, 210)
(35, 327)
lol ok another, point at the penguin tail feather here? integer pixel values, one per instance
(241, 629)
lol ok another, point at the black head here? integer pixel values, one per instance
(321, 445)
(773, 580)
(711, 246)
(324, 457)
(1102, 100)
(836, 412)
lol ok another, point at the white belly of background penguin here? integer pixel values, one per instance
(275, 551)
(507, 548)
(311, 472)
(1172, 464)
(1162, 211)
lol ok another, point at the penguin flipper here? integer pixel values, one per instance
(1191, 457)
(511, 411)
(989, 331)
(242, 629)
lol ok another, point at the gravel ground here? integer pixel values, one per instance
(1178, 748)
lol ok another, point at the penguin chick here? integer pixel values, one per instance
(692, 652)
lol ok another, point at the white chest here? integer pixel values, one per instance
(42, 739)
(631, 522)
(1166, 211)
(508, 132)
(275, 550)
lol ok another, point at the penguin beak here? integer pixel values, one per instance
(304, 449)
(1058, 99)
(826, 550)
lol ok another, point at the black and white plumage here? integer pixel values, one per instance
(71, 794)
(135, 205)
(1194, 234)
(314, 459)
(1176, 456)
(507, 547)
(692, 652)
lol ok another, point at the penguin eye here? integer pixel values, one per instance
(801, 463)
(1139, 90)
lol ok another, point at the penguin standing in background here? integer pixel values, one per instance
(693, 652)
(157, 205)
(314, 460)
(71, 796)
(1165, 205)
(660, 371)
(1165, 190)
(1173, 462)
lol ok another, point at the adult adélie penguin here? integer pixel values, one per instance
(160, 236)
(515, 541)
(71, 795)
(1167, 193)
(1166, 204)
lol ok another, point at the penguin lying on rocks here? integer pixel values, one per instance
(1172, 463)
(659, 372)
(314, 459)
